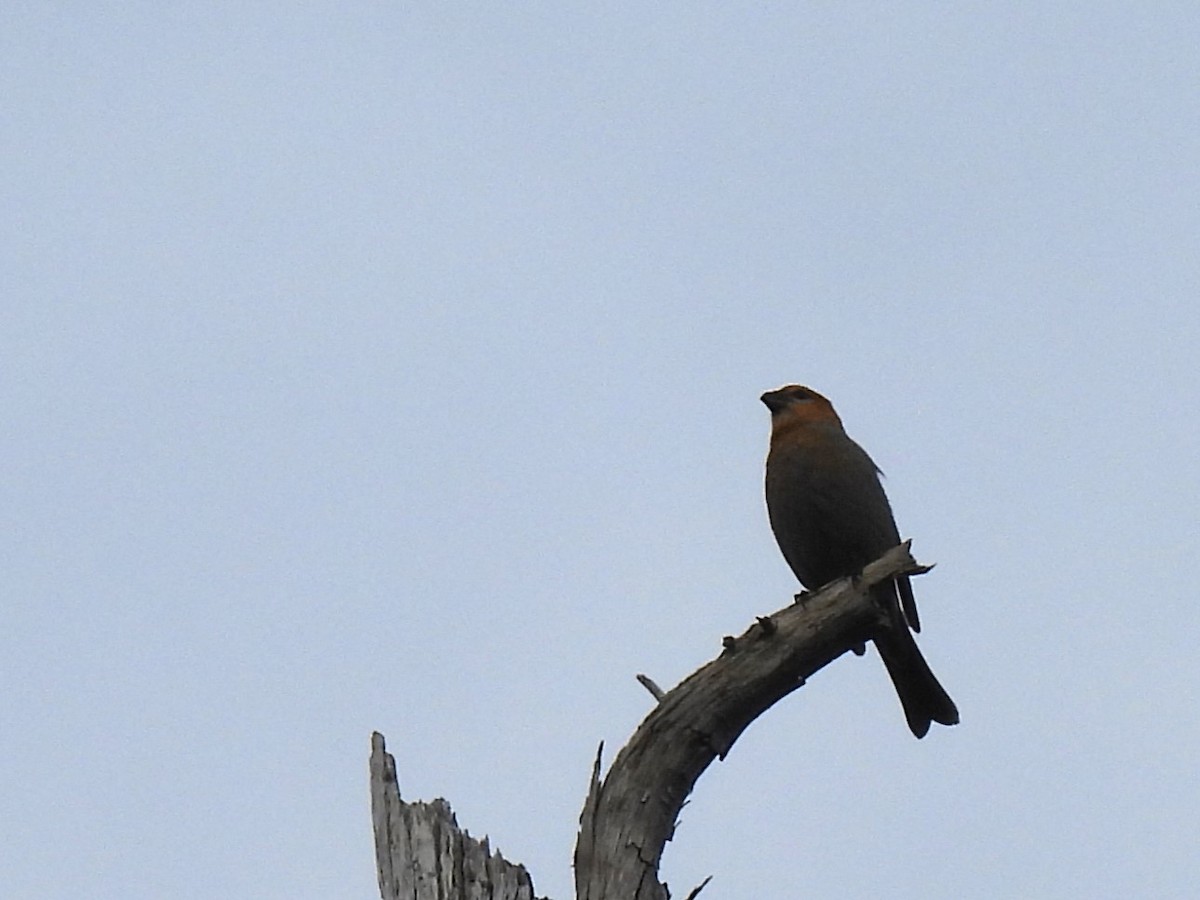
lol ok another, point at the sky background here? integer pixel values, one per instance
(396, 366)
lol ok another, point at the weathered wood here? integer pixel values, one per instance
(421, 854)
(630, 815)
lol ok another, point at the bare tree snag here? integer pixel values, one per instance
(421, 854)
(630, 815)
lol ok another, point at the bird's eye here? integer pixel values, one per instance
(799, 394)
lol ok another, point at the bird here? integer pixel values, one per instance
(831, 517)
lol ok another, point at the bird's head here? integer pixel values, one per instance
(797, 406)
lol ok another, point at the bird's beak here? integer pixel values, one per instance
(773, 401)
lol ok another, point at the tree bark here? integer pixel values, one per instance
(628, 818)
(630, 815)
(422, 854)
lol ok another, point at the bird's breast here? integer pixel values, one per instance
(827, 508)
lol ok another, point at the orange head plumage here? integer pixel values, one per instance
(795, 409)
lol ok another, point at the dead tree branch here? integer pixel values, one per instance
(630, 815)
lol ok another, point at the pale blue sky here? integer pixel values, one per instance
(396, 366)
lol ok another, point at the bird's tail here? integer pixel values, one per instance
(922, 696)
